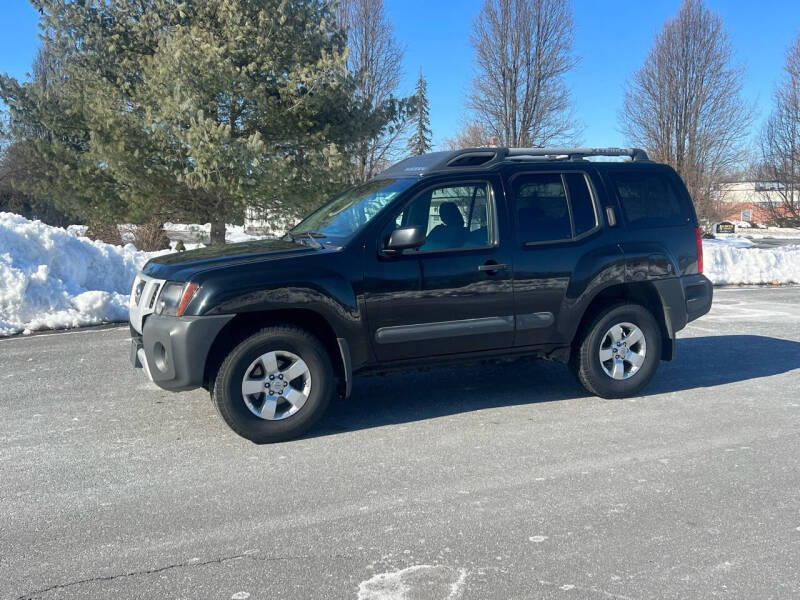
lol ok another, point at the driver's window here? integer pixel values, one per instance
(453, 216)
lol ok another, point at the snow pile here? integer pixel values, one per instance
(735, 261)
(51, 279)
(127, 231)
(772, 232)
(733, 239)
(77, 230)
(191, 233)
(413, 582)
(194, 232)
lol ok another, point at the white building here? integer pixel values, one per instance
(749, 200)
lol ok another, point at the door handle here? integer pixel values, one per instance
(491, 267)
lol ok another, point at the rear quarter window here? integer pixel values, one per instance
(650, 199)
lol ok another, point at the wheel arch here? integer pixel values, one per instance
(244, 325)
(640, 292)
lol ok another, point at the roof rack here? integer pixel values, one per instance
(573, 153)
(471, 158)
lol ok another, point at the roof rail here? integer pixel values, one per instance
(480, 158)
(472, 158)
(574, 153)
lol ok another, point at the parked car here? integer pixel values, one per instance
(458, 256)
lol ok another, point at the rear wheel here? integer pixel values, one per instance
(619, 353)
(274, 385)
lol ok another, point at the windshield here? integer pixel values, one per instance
(347, 213)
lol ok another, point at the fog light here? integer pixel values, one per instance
(160, 357)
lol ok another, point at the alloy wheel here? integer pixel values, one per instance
(622, 351)
(276, 385)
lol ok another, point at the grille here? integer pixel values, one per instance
(143, 298)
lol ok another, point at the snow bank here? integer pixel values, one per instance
(127, 231)
(51, 279)
(77, 230)
(194, 232)
(735, 261)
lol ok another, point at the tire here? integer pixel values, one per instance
(265, 418)
(603, 377)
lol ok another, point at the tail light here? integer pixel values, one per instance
(698, 236)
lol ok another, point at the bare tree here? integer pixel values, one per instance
(523, 49)
(375, 60)
(471, 135)
(684, 104)
(780, 145)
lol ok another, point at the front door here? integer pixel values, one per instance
(452, 295)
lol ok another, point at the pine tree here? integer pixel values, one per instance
(420, 140)
(51, 141)
(194, 110)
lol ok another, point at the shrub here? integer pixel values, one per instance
(104, 232)
(150, 237)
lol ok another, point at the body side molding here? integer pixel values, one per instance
(427, 331)
(535, 320)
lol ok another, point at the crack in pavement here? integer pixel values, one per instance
(223, 559)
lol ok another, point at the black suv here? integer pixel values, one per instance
(469, 255)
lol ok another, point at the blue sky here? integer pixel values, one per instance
(612, 40)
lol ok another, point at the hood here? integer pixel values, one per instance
(180, 266)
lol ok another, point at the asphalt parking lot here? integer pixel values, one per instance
(771, 242)
(498, 481)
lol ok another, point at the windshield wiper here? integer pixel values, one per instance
(312, 237)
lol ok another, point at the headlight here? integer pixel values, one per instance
(174, 297)
(138, 288)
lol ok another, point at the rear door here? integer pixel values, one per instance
(455, 293)
(562, 247)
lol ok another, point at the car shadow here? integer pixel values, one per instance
(406, 397)
(717, 360)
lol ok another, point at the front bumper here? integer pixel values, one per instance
(173, 350)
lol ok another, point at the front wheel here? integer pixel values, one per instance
(619, 353)
(274, 385)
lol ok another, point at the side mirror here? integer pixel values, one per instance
(405, 238)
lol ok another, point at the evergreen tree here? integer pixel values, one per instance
(420, 140)
(50, 147)
(192, 110)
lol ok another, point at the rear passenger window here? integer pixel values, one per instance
(649, 200)
(583, 213)
(552, 207)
